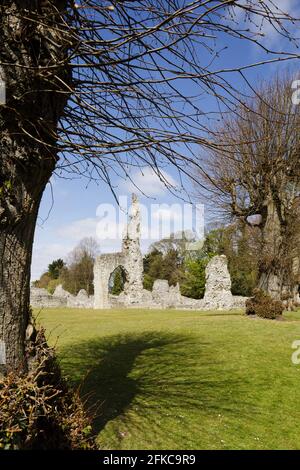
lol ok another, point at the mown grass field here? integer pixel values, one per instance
(182, 379)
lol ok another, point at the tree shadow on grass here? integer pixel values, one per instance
(159, 373)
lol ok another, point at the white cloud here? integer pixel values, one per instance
(148, 182)
(270, 29)
(79, 229)
(93, 227)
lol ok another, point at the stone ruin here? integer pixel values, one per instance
(61, 298)
(217, 296)
(218, 283)
(130, 259)
(41, 298)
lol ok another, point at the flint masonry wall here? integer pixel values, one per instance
(104, 267)
(40, 298)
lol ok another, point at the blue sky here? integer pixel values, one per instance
(69, 207)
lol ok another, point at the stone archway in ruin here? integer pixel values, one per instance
(105, 266)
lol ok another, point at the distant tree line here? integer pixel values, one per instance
(75, 273)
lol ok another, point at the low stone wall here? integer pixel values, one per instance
(164, 296)
(82, 300)
(217, 296)
(40, 298)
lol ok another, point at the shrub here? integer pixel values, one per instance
(38, 410)
(264, 306)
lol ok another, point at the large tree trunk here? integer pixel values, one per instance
(32, 44)
(19, 204)
(274, 268)
(15, 259)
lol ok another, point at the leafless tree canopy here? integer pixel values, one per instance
(128, 104)
(257, 154)
(255, 171)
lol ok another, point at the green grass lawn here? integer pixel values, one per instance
(182, 379)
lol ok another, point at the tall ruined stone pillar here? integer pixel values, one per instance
(218, 284)
(133, 259)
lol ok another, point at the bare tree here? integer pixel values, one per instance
(88, 247)
(254, 175)
(79, 273)
(94, 88)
